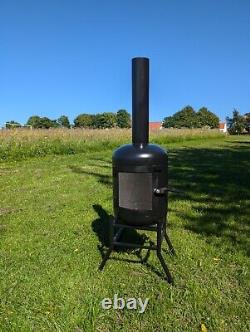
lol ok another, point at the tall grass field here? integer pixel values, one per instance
(55, 207)
(25, 143)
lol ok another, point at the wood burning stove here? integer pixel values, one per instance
(140, 174)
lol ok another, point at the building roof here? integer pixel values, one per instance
(222, 125)
(155, 125)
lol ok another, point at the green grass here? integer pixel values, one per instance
(53, 217)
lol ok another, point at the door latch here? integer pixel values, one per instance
(162, 191)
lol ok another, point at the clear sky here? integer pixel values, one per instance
(74, 56)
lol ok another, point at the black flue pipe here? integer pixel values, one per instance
(140, 100)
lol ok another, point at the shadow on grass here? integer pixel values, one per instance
(242, 142)
(101, 178)
(217, 183)
(101, 226)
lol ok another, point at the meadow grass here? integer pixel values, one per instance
(54, 215)
(21, 144)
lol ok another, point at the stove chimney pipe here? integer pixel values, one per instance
(140, 100)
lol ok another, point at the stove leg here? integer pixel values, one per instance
(105, 258)
(113, 238)
(165, 268)
(159, 255)
(171, 248)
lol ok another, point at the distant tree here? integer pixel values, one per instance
(186, 118)
(63, 121)
(247, 118)
(123, 119)
(84, 121)
(34, 121)
(105, 120)
(12, 125)
(168, 122)
(41, 122)
(229, 122)
(207, 118)
(237, 124)
(48, 123)
(54, 124)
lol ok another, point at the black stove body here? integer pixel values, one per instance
(140, 170)
(140, 175)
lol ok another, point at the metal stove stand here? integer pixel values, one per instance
(116, 230)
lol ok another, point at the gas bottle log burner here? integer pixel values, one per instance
(140, 177)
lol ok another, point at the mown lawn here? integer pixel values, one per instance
(54, 214)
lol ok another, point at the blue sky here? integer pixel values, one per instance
(70, 57)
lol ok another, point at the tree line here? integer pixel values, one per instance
(203, 118)
(121, 119)
(187, 117)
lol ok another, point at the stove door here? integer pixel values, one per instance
(135, 191)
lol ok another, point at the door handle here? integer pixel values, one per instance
(162, 191)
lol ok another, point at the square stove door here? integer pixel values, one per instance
(135, 191)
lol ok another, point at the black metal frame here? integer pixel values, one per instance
(159, 228)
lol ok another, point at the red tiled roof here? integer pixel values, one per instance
(155, 125)
(222, 125)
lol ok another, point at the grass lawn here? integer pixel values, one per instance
(54, 213)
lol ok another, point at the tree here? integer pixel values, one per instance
(123, 119)
(247, 118)
(168, 122)
(185, 118)
(34, 121)
(188, 118)
(12, 125)
(41, 122)
(207, 118)
(84, 121)
(229, 122)
(237, 124)
(63, 121)
(105, 120)
(48, 123)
